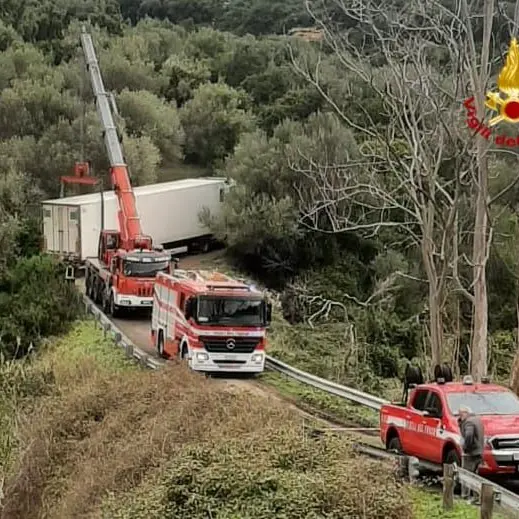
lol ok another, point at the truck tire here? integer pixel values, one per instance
(183, 352)
(413, 375)
(113, 309)
(205, 246)
(452, 457)
(96, 291)
(443, 371)
(394, 445)
(88, 286)
(160, 345)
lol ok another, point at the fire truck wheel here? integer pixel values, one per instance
(105, 302)
(160, 345)
(183, 351)
(91, 291)
(394, 444)
(88, 286)
(113, 308)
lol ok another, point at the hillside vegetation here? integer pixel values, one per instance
(385, 227)
(97, 436)
(331, 208)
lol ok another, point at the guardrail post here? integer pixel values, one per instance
(106, 329)
(487, 501)
(448, 486)
(403, 467)
(413, 470)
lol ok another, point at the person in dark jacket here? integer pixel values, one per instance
(472, 442)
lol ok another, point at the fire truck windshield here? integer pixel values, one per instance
(230, 311)
(144, 270)
(485, 403)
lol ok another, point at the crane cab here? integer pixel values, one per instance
(109, 243)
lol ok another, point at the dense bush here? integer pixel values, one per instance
(35, 301)
(260, 477)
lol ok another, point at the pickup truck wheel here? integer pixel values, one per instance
(452, 458)
(394, 445)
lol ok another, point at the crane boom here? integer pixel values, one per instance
(129, 221)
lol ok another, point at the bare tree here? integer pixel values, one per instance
(478, 72)
(416, 169)
(411, 173)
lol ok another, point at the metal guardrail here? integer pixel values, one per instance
(503, 497)
(506, 499)
(119, 338)
(348, 393)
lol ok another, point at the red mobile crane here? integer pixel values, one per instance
(123, 274)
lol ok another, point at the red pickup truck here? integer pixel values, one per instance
(427, 426)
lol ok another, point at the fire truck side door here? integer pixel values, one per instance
(413, 439)
(432, 422)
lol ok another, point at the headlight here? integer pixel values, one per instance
(257, 357)
(202, 356)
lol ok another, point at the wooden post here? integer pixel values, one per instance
(448, 486)
(487, 501)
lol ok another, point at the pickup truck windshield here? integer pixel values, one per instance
(144, 270)
(230, 311)
(490, 403)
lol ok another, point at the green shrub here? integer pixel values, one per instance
(281, 474)
(35, 302)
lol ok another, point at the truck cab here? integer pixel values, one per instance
(426, 426)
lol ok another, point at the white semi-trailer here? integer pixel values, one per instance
(169, 212)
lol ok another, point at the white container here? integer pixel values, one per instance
(169, 213)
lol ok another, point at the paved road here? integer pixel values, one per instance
(137, 329)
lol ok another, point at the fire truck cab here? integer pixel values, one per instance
(214, 322)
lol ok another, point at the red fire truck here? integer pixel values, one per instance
(427, 425)
(214, 322)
